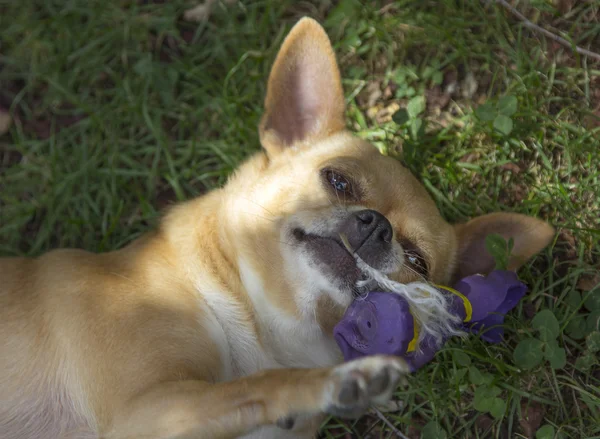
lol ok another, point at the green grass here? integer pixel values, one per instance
(121, 107)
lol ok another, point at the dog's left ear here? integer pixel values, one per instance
(305, 99)
(530, 236)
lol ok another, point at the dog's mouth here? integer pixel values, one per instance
(334, 258)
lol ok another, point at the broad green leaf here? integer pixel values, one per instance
(415, 106)
(459, 375)
(353, 40)
(485, 112)
(528, 353)
(400, 116)
(476, 377)
(437, 78)
(482, 401)
(497, 408)
(399, 76)
(494, 390)
(577, 328)
(496, 246)
(461, 358)
(546, 432)
(503, 124)
(415, 127)
(546, 323)
(559, 360)
(507, 105)
(433, 430)
(593, 321)
(573, 299)
(592, 303)
(345, 10)
(586, 361)
(555, 354)
(427, 72)
(593, 342)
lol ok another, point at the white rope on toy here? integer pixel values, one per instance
(428, 305)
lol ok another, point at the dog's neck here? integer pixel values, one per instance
(201, 236)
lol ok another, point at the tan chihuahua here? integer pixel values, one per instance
(219, 323)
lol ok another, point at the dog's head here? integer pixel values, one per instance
(316, 190)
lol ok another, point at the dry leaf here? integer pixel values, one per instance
(5, 121)
(469, 86)
(588, 282)
(568, 239)
(198, 13)
(374, 92)
(532, 415)
(436, 98)
(512, 167)
(201, 12)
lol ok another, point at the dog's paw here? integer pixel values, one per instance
(359, 384)
(286, 423)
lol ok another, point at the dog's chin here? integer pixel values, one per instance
(331, 257)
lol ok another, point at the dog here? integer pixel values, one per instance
(218, 323)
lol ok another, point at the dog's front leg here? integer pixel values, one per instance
(193, 409)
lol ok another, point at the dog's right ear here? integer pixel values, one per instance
(305, 99)
(530, 236)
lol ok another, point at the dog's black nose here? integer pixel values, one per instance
(374, 225)
(368, 228)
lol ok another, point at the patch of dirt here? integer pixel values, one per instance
(488, 428)
(49, 123)
(514, 194)
(5, 121)
(532, 415)
(42, 125)
(165, 197)
(588, 282)
(8, 157)
(529, 310)
(436, 98)
(414, 430)
(569, 243)
(484, 424)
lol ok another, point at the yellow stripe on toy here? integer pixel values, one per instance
(412, 346)
(466, 303)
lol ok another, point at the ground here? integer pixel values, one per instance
(111, 110)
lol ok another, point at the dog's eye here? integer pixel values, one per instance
(338, 182)
(415, 259)
(416, 262)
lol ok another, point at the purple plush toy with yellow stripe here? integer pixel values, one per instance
(382, 323)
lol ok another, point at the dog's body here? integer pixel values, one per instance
(219, 323)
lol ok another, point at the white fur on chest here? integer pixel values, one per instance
(291, 342)
(286, 342)
(232, 331)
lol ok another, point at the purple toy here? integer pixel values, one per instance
(382, 323)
